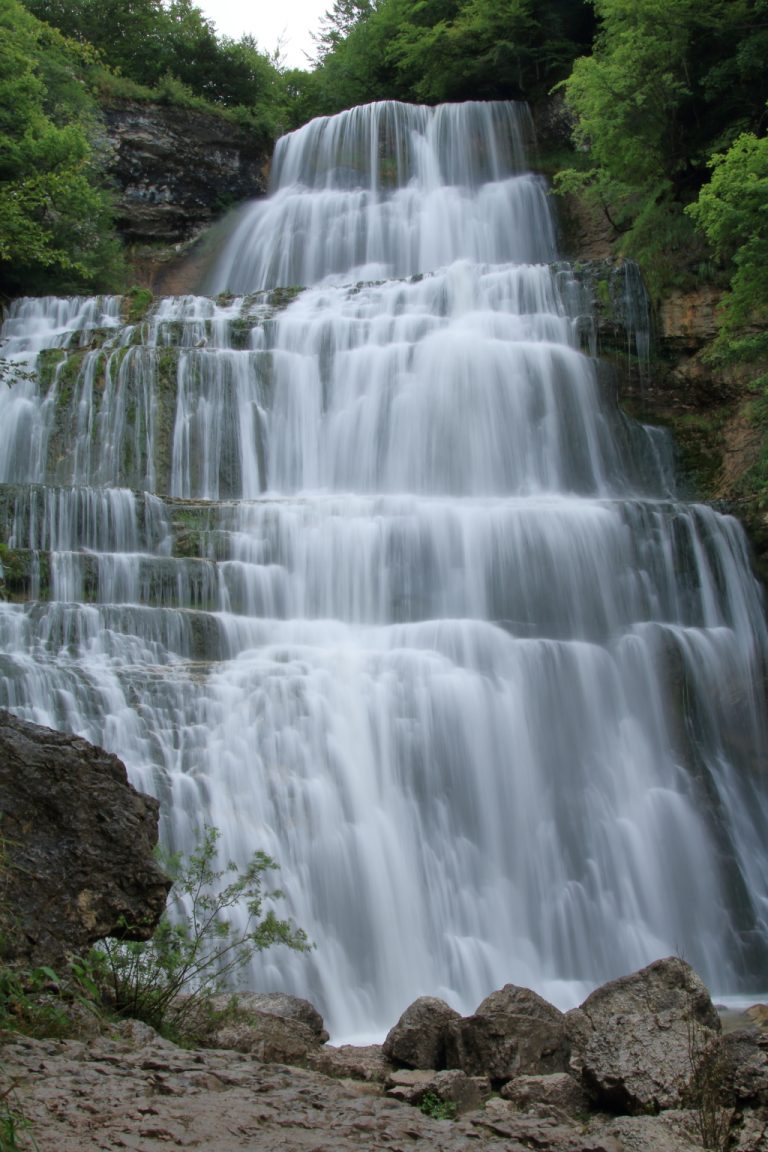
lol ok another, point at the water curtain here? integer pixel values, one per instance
(358, 560)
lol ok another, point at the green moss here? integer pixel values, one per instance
(24, 570)
(166, 375)
(47, 362)
(71, 370)
(136, 303)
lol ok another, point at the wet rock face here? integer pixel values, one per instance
(177, 169)
(78, 846)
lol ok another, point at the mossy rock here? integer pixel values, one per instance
(136, 304)
(25, 574)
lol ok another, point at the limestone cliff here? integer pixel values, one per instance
(177, 169)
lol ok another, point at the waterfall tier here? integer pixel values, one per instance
(375, 576)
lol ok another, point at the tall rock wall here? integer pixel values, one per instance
(177, 169)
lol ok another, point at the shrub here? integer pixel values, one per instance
(167, 981)
(432, 1105)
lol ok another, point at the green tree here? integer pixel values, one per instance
(150, 40)
(435, 50)
(667, 82)
(732, 210)
(337, 23)
(55, 216)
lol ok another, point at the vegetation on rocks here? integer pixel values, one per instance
(168, 980)
(55, 216)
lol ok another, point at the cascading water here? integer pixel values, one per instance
(375, 577)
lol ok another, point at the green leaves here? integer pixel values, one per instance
(667, 83)
(436, 50)
(732, 209)
(167, 980)
(55, 218)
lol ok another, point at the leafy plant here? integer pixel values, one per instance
(167, 981)
(431, 1105)
(35, 1002)
(13, 1123)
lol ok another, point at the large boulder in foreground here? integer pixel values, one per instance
(78, 844)
(641, 1037)
(514, 1032)
(418, 1040)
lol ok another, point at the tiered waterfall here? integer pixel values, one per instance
(375, 576)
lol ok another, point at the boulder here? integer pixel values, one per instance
(78, 846)
(514, 1032)
(757, 1016)
(501, 1120)
(265, 1037)
(559, 1095)
(646, 1031)
(451, 1086)
(751, 1133)
(365, 1064)
(418, 1040)
(242, 1004)
(668, 985)
(740, 1067)
(668, 1132)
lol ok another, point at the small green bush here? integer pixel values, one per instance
(432, 1105)
(167, 981)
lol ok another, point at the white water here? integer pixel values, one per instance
(449, 647)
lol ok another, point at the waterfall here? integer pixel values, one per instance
(358, 561)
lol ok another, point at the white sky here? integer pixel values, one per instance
(290, 21)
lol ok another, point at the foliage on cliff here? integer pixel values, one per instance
(732, 210)
(169, 49)
(55, 221)
(437, 50)
(667, 84)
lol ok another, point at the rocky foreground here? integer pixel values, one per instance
(641, 1066)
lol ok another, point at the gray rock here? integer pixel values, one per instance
(668, 985)
(559, 1095)
(418, 1040)
(501, 1119)
(366, 1064)
(174, 166)
(669, 1132)
(646, 1031)
(270, 1039)
(274, 1004)
(751, 1134)
(79, 846)
(451, 1086)
(741, 1067)
(513, 1000)
(514, 1032)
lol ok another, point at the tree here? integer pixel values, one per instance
(732, 210)
(149, 40)
(436, 50)
(667, 82)
(55, 216)
(337, 23)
